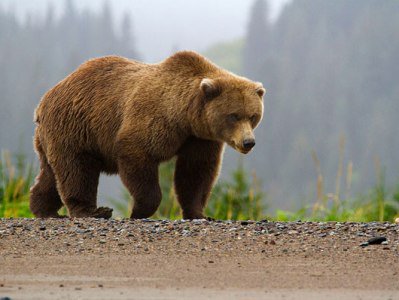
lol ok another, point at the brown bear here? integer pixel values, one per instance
(116, 115)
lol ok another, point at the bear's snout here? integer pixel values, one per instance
(248, 144)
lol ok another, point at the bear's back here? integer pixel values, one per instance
(84, 110)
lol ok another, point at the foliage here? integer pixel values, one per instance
(16, 178)
(379, 204)
(239, 198)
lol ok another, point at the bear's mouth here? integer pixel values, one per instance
(233, 145)
(244, 151)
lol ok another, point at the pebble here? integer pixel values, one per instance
(147, 236)
(377, 240)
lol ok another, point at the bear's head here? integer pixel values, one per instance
(232, 107)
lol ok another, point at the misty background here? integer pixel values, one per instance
(330, 68)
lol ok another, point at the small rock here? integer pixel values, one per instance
(103, 241)
(377, 240)
(397, 220)
(244, 223)
(211, 261)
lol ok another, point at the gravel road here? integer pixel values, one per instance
(147, 259)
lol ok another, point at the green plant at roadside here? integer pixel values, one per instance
(379, 204)
(16, 178)
(238, 198)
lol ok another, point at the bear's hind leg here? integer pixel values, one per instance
(44, 198)
(77, 181)
(197, 168)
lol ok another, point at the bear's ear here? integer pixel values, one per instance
(260, 90)
(210, 88)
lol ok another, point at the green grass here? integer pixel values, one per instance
(378, 204)
(237, 198)
(16, 178)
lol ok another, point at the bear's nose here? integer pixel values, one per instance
(248, 144)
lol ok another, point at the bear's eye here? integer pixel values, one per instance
(253, 119)
(233, 118)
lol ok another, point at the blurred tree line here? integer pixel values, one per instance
(331, 69)
(35, 55)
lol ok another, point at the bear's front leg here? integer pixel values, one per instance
(197, 168)
(141, 179)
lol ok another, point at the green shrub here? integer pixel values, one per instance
(237, 198)
(16, 178)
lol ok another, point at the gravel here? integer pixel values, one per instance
(139, 236)
(43, 254)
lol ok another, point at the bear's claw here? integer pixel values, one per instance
(102, 212)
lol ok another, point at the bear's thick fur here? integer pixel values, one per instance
(117, 115)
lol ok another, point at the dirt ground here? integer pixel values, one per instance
(124, 259)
